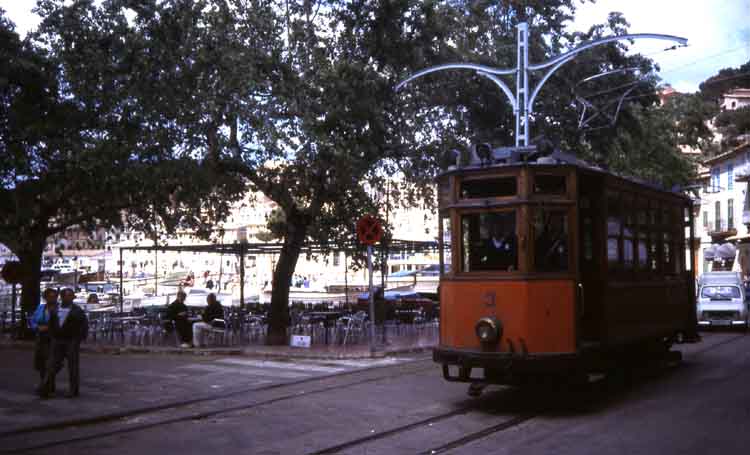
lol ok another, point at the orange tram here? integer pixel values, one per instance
(557, 269)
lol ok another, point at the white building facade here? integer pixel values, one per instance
(725, 212)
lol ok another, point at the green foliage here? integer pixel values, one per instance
(649, 149)
(713, 88)
(690, 113)
(179, 107)
(732, 124)
(80, 145)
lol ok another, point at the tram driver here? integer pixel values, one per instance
(500, 250)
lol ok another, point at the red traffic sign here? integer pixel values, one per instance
(369, 230)
(12, 272)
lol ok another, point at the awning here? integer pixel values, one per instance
(739, 238)
(726, 251)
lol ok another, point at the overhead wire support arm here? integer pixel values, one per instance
(562, 59)
(523, 101)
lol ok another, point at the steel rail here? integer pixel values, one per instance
(185, 403)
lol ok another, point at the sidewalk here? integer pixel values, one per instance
(257, 351)
(118, 388)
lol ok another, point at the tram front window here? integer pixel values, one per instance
(489, 241)
(550, 241)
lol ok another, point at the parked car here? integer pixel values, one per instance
(721, 300)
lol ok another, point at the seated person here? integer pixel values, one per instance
(213, 312)
(177, 312)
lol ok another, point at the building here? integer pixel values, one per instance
(248, 222)
(724, 215)
(735, 99)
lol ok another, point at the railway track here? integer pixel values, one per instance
(197, 415)
(485, 423)
(480, 432)
(503, 424)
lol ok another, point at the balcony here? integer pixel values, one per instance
(742, 174)
(722, 228)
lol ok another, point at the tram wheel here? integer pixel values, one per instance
(476, 389)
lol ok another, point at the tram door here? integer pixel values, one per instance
(591, 258)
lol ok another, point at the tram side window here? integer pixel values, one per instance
(654, 253)
(550, 240)
(642, 249)
(655, 244)
(445, 223)
(627, 232)
(489, 242)
(444, 192)
(549, 184)
(614, 225)
(489, 187)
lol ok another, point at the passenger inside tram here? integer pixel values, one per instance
(493, 241)
(551, 245)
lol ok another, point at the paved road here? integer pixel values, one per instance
(113, 384)
(702, 407)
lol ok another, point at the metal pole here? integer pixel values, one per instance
(522, 85)
(221, 269)
(156, 268)
(384, 244)
(13, 307)
(121, 297)
(346, 281)
(693, 336)
(371, 296)
(242, 276)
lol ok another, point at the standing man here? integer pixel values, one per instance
(40, 325)
(177, 311)
(213, 312)
(68, 326)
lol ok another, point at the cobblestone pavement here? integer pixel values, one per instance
(112, 384)
(403, 406)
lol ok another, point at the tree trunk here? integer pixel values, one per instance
(278, 318)
(31, 262)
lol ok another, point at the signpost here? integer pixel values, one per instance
(12, 273)
(369, 232)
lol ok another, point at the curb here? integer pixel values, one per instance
(266, 353)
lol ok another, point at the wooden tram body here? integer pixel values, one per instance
(594, 269)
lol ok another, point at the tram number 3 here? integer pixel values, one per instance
(369, 230)
(489, 299)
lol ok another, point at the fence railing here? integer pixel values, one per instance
(352, 330)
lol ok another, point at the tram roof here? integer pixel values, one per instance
(560, 159)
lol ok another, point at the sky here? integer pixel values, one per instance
(718, 32)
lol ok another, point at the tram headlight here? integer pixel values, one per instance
(488, 330)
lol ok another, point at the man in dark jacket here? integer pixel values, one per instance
(68, 326)
(177, 311)
(212, 313)
(40, 325)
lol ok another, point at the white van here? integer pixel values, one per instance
(721, 300)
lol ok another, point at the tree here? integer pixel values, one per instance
(297, 96)
(78, 152)
(732, 124)
(713, 88)
(691, 114)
